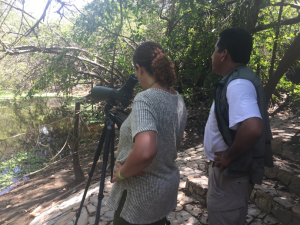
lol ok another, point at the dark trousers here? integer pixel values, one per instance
(120, 221)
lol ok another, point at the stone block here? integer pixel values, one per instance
(277, 146)
(271, 172)
(271, 220)
(197, 184)
(295, 184)
(296, 211)
(65, 219)
(83, 219)
(91, 209)
(252, 196)
(193, 210)
(291, 152)
(264, 201)
(284, 174)
(284, 202)
(257, 222)
(294, 221)
(283, 215)
(253, 210)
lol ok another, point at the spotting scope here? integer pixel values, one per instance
(123, 94)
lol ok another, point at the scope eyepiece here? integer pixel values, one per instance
(123, 94)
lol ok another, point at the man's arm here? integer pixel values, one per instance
(246, 137)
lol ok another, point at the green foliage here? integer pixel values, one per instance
(18, 165)
(101, 43)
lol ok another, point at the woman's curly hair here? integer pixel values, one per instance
(151, 56)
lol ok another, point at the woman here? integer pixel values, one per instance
(146, 176)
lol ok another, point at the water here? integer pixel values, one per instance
(29, 136)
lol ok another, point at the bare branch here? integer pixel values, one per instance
(90, 74)
(42, 17)
(17, 9)
(273, 24)
(55, 50)
(296, 6)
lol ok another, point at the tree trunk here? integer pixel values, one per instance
(291, 55)
(253, 15)
(276, 41)
(76, 165)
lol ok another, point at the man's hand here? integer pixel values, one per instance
(222, 160)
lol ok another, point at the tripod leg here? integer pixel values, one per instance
(112, 157)
(96, 157)
(110, 130)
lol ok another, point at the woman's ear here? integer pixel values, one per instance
(137, 66)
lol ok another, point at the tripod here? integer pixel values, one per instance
(107, 136)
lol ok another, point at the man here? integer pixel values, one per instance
(237, 133)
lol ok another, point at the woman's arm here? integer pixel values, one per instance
(143, 153)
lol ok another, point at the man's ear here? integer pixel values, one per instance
(224, 55)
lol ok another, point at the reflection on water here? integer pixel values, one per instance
(41, 137)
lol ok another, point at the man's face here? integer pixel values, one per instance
(216, 60)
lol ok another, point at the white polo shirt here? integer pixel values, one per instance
(242, 100)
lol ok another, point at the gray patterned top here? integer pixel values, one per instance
(152, 196)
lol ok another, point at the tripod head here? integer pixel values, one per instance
(113, 115)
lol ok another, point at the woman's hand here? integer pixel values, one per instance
(117, 170)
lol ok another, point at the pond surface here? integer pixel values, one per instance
(31, 133)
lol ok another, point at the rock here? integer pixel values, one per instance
(294, 221)
(190, 150)
(296, 211)
(193, 210)
(103, 210)
(204, 218)
(257, 222)
(295, 184)
(264, 201)
(249, 219)
(270, 220)
(182, 184)
(277, 146)
(192, 165)
(186, 200)
(262, 215)
(179, 208)
(65, 219)
(91, 209)
(83, 217)
(271, 172)
(197, 184)
(283, 215)
(284, 174)
(182, 216)
(291, 152)
(285, 202)
(253, 210)
(252, 196)
(108, 216)
(92, 220)
(192, 220)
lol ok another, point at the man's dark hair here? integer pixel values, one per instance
(238, 43)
